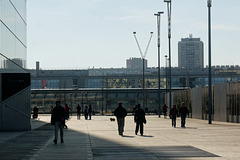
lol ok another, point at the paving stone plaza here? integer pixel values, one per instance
(98, 139)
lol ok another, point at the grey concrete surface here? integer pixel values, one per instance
(98, 139)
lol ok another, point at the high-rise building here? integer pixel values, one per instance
(13, 42)
(136, 63)
(190, 53)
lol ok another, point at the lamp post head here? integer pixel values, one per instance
(134, 32)
(151, 32)
(209, 3)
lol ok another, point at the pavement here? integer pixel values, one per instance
(98, 139)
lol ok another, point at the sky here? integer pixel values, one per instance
(84, 34)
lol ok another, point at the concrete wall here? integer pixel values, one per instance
(197, 103)
(220, 102)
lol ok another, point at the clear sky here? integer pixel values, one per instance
(81, 34)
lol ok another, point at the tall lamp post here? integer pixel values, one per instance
(166, 59)
(158, 45)
(169, 4)
(143, 59)
(209, 4)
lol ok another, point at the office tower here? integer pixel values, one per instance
(190, 53)
(13, 43)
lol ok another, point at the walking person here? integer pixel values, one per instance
(90, 112)
(139, 119)
(86, 112)
(78, 112)
(66, 110)
(183, 112)
(120, 113)
(164, 108)
(173, 115)
(58, 120)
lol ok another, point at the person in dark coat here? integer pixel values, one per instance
(120, 113)
(58, 120)
(90, 112)
(86, 112)
(139, 119)
(78, 112)
(183, 112)
(164, 108)
(35, 112)
(173, 115)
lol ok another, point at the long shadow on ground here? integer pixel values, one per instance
(37, 144)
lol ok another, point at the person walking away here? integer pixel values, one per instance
(173, 115)
(165, 107)
(90, 112)
(86, 112)
(35, 112)
(66, 108)
(66, 111)
(139, 119)
(183, 112)
(78, 112)
(120, 113)
(58, 120)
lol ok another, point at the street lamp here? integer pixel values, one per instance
(159, 80)
(209, 4)
(169, 4)
(166, 59)
(143, 59)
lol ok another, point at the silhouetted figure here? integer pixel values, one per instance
(164, 108)
(66, 110)
(183, 112)
(173, 115)
(58, 120)
(120, 113)
(78, 112)
(139, 119)
(35, 112)
(90, 112)
(86, 112)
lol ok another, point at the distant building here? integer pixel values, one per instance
(135, 63)
(190, 53)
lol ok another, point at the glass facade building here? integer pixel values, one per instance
(13, 37)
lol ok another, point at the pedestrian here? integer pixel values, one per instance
(35, 112)
(183, 112)
(120, 113)
(66, 108)
(66, 112)
(90, 112)
(164, 108)
(78, 112)
(86, 112)
(139, 119)
(173, 115)
(58, 120)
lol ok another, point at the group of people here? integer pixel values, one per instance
(139, 118)
(60, 114)
(183, 113)
(87, 112)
